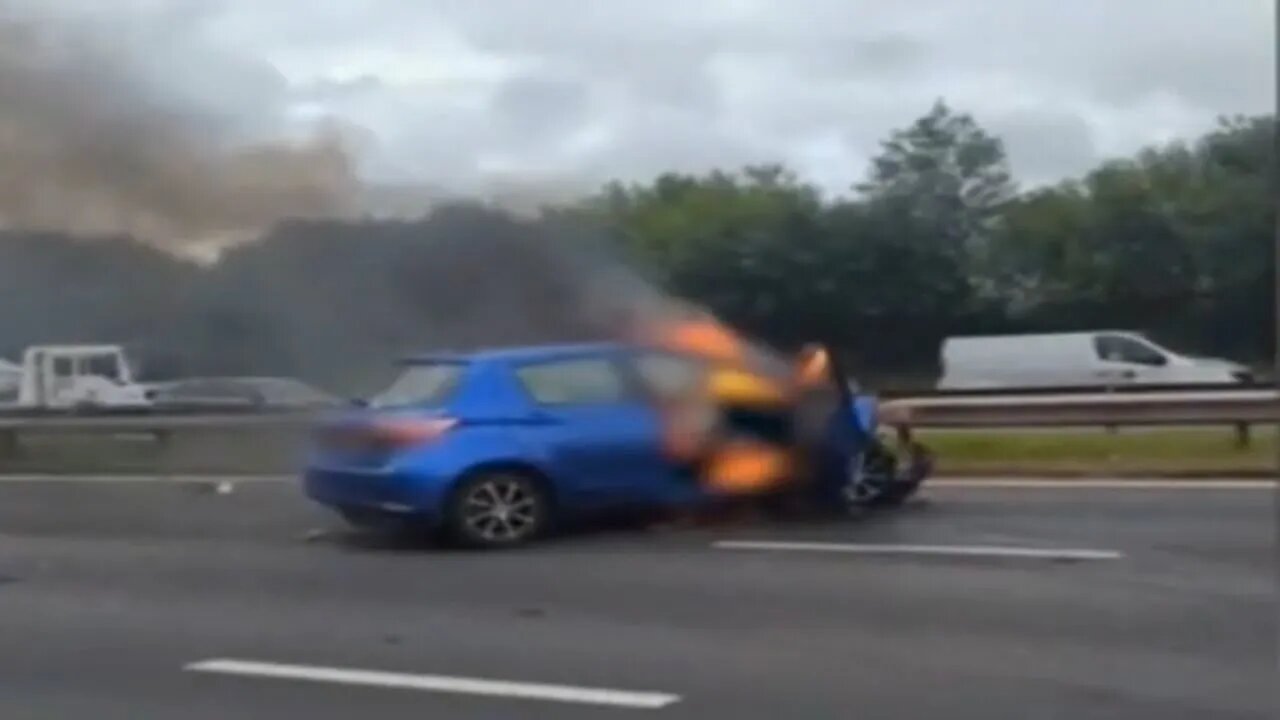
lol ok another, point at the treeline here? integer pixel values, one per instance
(1178, 241)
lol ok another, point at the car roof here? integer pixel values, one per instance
(517, 353)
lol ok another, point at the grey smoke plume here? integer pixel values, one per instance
(87, 147)
(90, 144)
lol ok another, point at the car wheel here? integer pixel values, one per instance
(498, 509)
(870, 479)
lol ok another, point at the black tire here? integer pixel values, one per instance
(894, 495)
(497, 509)
(871, 479)
(894, 487)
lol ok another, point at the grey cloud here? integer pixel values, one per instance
(1207, 75)
(1217, 56)
(892, 53)
(1044, 145)
(658, 52)
(336, 91)
(861, 68)
(533, 108)
(676, 84)
(90, 144)
(660, 141)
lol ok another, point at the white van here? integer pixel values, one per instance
(1103, 358)
(65, 377)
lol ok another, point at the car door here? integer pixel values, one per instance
(601, 437)
(1124, 360)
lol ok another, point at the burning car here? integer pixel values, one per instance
(771, 427)
(493, 448)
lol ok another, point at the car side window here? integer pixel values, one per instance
(668, 376)
(580, 381)
(1118, 348)
(104, 366)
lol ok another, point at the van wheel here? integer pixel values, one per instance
(497, 509)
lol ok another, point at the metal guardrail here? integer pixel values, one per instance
(232, 442)
(894, 393)
(153, 423)
(237, 441)
(1235, 407)
(1201, 407)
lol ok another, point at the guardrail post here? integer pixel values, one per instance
(1242, 435)
(8, 443)
(1111, 429)
(164, 452)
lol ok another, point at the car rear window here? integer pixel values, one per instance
(425, 384)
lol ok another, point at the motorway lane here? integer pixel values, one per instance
(113, 588)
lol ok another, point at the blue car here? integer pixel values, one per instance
(492, 448)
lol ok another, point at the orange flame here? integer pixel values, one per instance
(747, 467)
(739, 374)
(814, 366)
(705, 338)
(687, 429)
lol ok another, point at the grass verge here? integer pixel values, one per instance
(1087, 451)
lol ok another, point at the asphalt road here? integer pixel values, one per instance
(110, 591)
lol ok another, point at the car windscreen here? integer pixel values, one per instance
(421, 384)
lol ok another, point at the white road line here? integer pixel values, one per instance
(936, 550)
(143, 479)
(1103, 483)
(438, 683)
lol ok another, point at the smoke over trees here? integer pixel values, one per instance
(936, 241)
(336, 301)
(88, 146)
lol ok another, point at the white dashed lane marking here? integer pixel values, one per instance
(437, 683)
(992, 551)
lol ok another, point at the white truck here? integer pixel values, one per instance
(77, 377)
(1102, 358)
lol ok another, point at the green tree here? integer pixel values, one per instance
(1177, 240)
(948, 175)
(744, 244)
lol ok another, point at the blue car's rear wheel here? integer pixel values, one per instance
(497, 509)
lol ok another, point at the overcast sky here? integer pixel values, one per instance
(460, 92)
